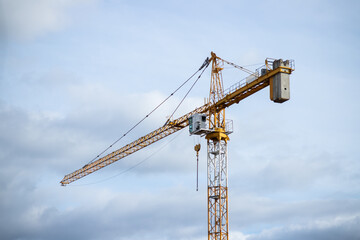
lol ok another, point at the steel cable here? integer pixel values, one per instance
(205, 64)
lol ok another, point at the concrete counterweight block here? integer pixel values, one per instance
(280, 84)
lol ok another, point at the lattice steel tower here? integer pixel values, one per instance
(217, 163)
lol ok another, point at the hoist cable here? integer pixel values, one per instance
(205, 64)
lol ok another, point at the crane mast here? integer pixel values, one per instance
(274, 73)
(217, 163)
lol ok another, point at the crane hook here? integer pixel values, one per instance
(197, 149)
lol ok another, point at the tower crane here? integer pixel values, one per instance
(209, 121)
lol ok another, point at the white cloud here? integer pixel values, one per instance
(236, 235)
(341, 227)
(26, 20)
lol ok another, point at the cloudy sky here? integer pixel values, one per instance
(76, 74)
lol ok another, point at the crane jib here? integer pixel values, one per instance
(154, 136)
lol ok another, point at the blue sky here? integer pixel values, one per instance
(76, 75)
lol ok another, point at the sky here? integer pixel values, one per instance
(75, 75)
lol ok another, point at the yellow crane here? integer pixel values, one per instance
(209, 121)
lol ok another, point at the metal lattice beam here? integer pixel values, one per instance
(142, 142)
(218, 226)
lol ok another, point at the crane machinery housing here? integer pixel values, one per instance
(209, 121)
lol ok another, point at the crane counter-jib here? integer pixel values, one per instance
(237, 94)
